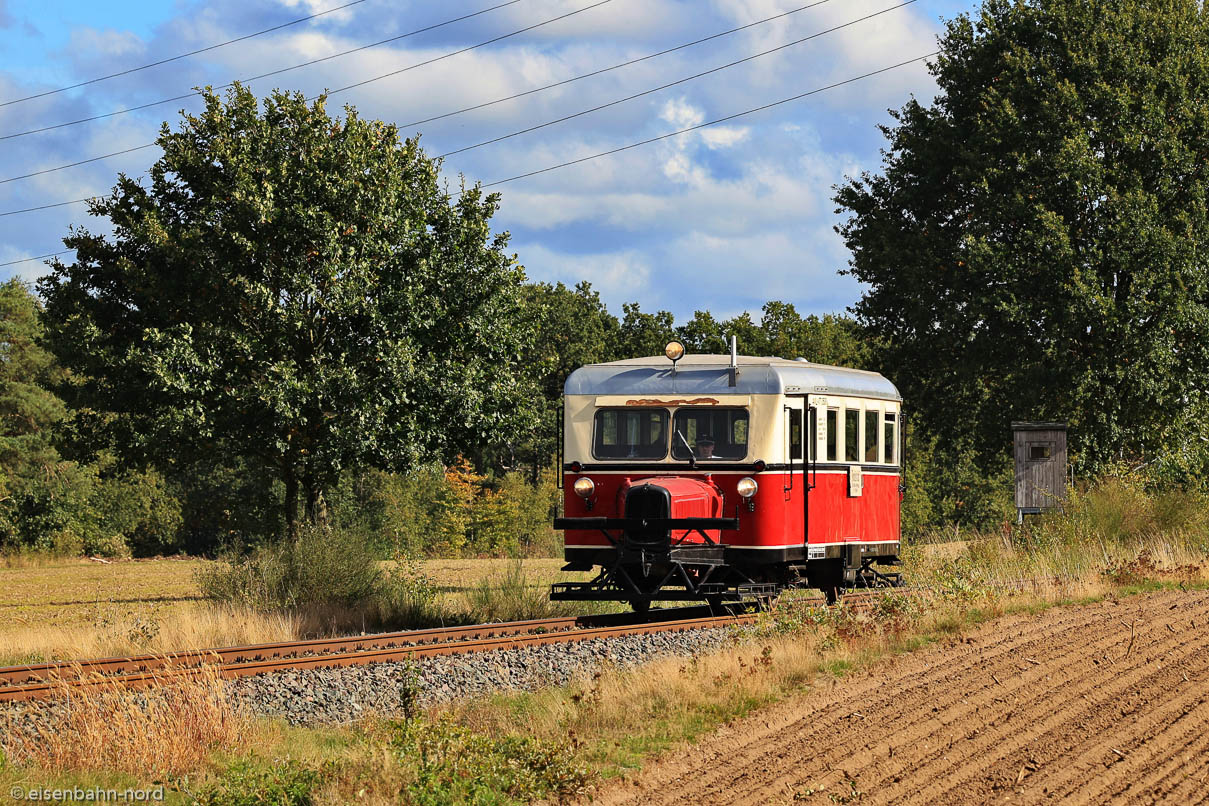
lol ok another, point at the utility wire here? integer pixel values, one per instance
(616, 66)
(711, 122)
(150, 104)
(674, 83)
(549, 86)
(463, 50)
(622, 148)
(332, 92)
(74, 164)
(31, 259)
(48, 206)
(181, 56)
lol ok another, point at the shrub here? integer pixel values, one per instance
(450, 512)
(330, 575)
(321, 567)
(452, 764)
(512, 597)
(284, 783)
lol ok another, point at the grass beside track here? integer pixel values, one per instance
(68, 609)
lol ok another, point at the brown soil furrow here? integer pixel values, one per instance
(1194, 788)
(907, 682)
(965, 722)
(1123, 748)
(1087, 732)
(1065, 694)
(1179, 751)
(902, 685)
(913, 721)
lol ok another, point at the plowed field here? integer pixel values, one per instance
(1103, 703)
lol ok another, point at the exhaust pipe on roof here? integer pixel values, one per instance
(734, 361)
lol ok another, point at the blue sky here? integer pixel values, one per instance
(721, 219)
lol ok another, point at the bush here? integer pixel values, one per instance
(285, 783)
(510, 597)
(321, 567)
(452, 764)
(330, 574)
(450, 512)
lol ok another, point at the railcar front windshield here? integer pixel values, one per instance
(713, 434)
(630, 434)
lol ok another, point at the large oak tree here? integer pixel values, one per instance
(294, 289)
(1036, 243)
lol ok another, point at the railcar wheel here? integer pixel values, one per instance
(832, 592)
(641, 606)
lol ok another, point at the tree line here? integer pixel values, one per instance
(79, 479)
(293, 300)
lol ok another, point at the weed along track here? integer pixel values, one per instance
(1099, 703)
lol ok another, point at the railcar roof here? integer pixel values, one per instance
(708, 374)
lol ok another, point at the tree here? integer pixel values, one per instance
(1035, 243)
(293, 290)
(29, 412)
(572, 327)
(644, 334)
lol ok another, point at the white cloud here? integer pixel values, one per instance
(681, 114)
(619, 276)
(724, 136)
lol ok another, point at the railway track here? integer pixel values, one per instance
(41, 681)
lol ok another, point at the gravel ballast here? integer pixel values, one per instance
(344, 694)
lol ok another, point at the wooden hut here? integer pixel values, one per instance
(1040, 452)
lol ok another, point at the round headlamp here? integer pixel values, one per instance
(584, 487)
(674, 351)
(747, 487)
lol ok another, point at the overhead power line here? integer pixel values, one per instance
(549, 86)
(674, 83)
(615, 66)
(31, 259)
(182, 55)
(711, 122)
(626, 147)
(329, 92)
(194, 94)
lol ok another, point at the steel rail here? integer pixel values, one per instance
(49, 687)
(14, 675)
(39, 681)
(18, 675)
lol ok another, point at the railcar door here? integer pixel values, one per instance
(798, 432)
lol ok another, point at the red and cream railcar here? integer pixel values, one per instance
(728, 477)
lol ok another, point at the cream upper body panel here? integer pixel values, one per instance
(766, 388)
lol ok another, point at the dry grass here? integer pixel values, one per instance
(151, 632)
(617, 718)
(70, 609)
(170, 730)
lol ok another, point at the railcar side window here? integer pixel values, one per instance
(852, 423)
(891, 419)
(812, 438)
(795, 434)
(833, 435)
(711, 433)
(871, 419)
(630, 434)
